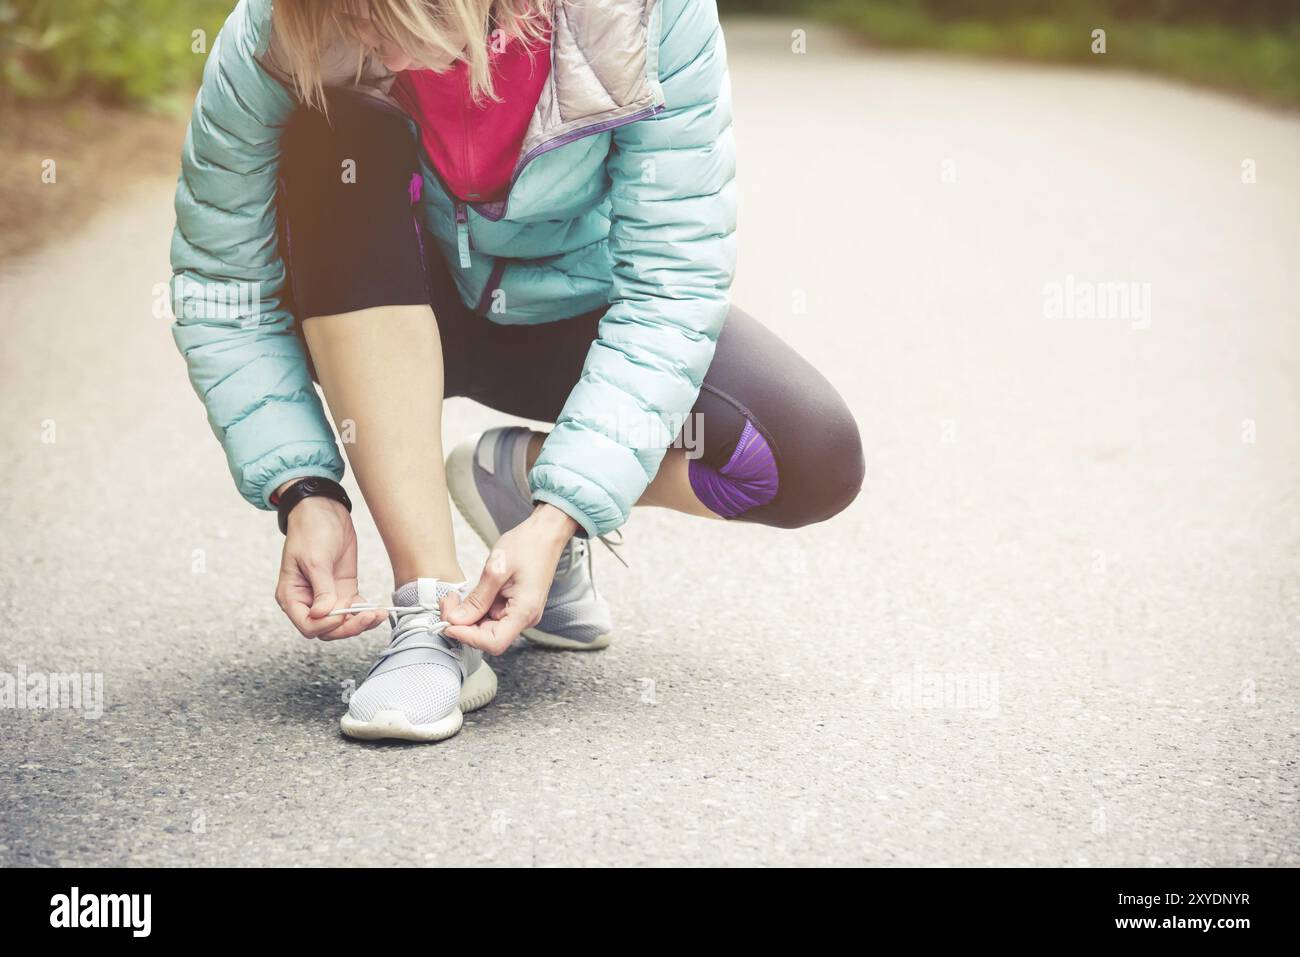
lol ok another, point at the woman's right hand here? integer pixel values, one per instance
(318, 571)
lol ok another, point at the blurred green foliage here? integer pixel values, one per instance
(118, 50)
(1248, 45)
(142, 50)
(1230, 12)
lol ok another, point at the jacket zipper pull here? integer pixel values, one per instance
(462, 234)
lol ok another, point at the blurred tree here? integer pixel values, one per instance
(118, 50)
(132, 51)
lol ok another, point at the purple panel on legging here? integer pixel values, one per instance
(746, 481)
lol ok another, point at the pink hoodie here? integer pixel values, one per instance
(475, 146)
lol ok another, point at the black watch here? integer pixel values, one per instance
(306, 488)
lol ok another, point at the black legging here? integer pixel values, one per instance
(352, 246)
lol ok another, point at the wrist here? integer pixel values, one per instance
(554, 522)
(279, 492)
(315, 505)
(295, 493)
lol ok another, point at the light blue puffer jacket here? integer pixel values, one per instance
(624, 195)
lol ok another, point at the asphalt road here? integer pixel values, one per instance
(1059, 627)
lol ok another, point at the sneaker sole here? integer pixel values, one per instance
(478, 691)
(558, 643)
(460, 475)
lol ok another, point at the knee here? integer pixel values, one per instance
(785, 470)
(821, 470)
(835, 469)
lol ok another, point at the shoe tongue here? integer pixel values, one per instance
(424, 591)
(415, 628)
(572, 556)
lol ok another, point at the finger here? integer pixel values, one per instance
(291, 586)
(494, 637)
(489, 637)
(325, 599)
(354, 625)
(451, 601)
(472, 636)
(476, 604)
(299, 613)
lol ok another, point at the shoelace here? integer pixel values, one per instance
(578, 550)
(614, 544)
(405, 621)
(391, 609)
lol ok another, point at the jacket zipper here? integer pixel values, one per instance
(487, 211)
(462, 233)
(495, 212)
(498, 267)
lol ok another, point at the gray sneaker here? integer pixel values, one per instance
(488, 482)
(423, 682)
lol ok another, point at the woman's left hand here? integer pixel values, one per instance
(511, 593)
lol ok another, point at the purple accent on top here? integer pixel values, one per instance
(414, 189)
(748, 480)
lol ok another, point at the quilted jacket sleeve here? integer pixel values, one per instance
(672, 238)
(244, 357)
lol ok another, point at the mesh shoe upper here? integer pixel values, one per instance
(421, 671)
(574, 609)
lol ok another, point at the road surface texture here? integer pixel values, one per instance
(1059, 626)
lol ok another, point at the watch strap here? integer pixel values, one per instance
(307, 488)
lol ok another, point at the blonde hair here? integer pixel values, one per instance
(305, 28)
